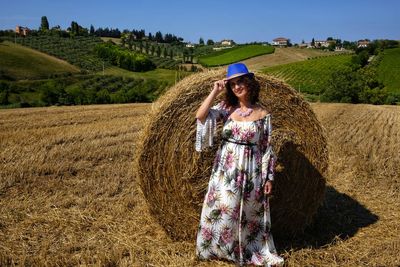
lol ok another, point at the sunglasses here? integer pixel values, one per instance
(239, 82)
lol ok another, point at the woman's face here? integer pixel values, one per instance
(239, 87)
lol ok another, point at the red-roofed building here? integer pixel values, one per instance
(363, 43)
(280, 41)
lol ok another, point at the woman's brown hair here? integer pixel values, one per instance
(231, 99)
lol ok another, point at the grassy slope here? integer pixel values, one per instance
(389, 70)
(157, 74)
(228, 56)
(21, 62)
(115, 40)
(311, 75)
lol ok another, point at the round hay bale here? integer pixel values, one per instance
(174, 177)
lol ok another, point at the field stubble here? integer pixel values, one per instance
(68, 195)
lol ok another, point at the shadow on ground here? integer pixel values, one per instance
(340, 216)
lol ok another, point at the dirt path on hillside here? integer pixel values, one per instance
(284, 56)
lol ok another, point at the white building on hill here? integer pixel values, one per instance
(280, 41)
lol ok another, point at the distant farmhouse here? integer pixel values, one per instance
(227, 42)
(224, 44)
(362, 43)
(280, 41)
(324, 43)
(22, 31)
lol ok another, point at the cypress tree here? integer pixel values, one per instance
(91, 29)
(44, 25)
(158, 51)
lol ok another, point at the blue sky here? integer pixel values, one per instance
(243, 21)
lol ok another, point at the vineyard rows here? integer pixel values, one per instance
(310, 76)
(115, 89)
(389, 69)
(78, 50)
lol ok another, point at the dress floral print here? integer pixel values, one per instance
(235, 220)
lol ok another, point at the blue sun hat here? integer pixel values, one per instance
(236, 70)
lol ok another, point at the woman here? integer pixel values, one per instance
(235, 220)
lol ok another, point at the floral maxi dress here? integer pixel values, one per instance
(235, 219)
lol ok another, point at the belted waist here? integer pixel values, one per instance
(238, 143)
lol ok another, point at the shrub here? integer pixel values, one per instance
(4, 93)
(376, 96)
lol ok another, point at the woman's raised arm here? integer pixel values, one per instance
(202, 112)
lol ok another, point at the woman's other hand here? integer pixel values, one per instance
(268, 188)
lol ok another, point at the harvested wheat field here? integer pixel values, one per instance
(68, 194)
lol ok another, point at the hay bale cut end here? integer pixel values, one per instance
(174, 177)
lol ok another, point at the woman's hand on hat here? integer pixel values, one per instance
(219, 86)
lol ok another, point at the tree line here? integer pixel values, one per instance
(77, 30)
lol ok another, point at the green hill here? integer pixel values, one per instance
(231, 55)
(309, 76)
(161, 75)
(389, 69)
(18, 62)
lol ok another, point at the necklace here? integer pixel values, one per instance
(245, 113)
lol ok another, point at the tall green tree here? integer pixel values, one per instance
(201, 41)
(44, 25)
(331, 46)
(158, 51)
(210, 42)
(164, 52)
(91, 30)
(78, 30)
(74, 28)
(159, 37)
(360, 59)
(343, 86)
